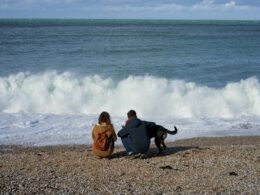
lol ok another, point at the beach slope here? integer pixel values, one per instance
(228, 165)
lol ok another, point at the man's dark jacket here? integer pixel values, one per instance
(137, 131)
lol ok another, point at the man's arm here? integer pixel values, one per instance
(123, 132)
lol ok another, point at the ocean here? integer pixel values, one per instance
(57, 76)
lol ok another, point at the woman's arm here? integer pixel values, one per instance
(93, 133)
(113, 133)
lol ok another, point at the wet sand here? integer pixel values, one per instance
(227, 165)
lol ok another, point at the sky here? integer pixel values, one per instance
(132, 9)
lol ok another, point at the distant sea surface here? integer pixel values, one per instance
(211, 53)
(56, 73)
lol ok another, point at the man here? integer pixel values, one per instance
(134, 134)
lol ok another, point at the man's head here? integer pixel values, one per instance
(131, 114)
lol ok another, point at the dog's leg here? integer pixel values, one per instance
(164, 146)
(158, 144)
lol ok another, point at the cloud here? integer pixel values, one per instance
(211, 5)
(16, 4)
(169, 7)
(132, 8)
(204, 5)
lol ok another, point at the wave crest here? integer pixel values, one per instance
(64, 93)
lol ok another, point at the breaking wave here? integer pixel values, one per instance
(66, 93)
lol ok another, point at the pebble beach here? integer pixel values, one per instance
(220, 165)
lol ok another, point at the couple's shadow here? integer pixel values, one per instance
(153, 152)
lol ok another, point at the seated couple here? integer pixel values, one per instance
(135, 135)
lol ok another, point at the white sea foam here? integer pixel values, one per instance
(53, 93)
(47, 129)
(52, 108)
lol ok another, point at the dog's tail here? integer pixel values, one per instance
(172, 132)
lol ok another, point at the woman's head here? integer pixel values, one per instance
(104, 117)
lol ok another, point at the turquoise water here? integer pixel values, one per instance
(211, 53)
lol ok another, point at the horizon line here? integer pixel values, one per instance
(162, 19)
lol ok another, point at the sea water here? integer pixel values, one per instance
(57, 76)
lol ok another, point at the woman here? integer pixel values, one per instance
(103, 135)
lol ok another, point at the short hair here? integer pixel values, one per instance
(104, 117)
(131, 113)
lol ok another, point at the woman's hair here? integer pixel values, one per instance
(104, 117)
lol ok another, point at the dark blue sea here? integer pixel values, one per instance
(210, 53)
(198, 74)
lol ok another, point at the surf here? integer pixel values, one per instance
(67, 93)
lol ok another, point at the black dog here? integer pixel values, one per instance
(160, 133)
